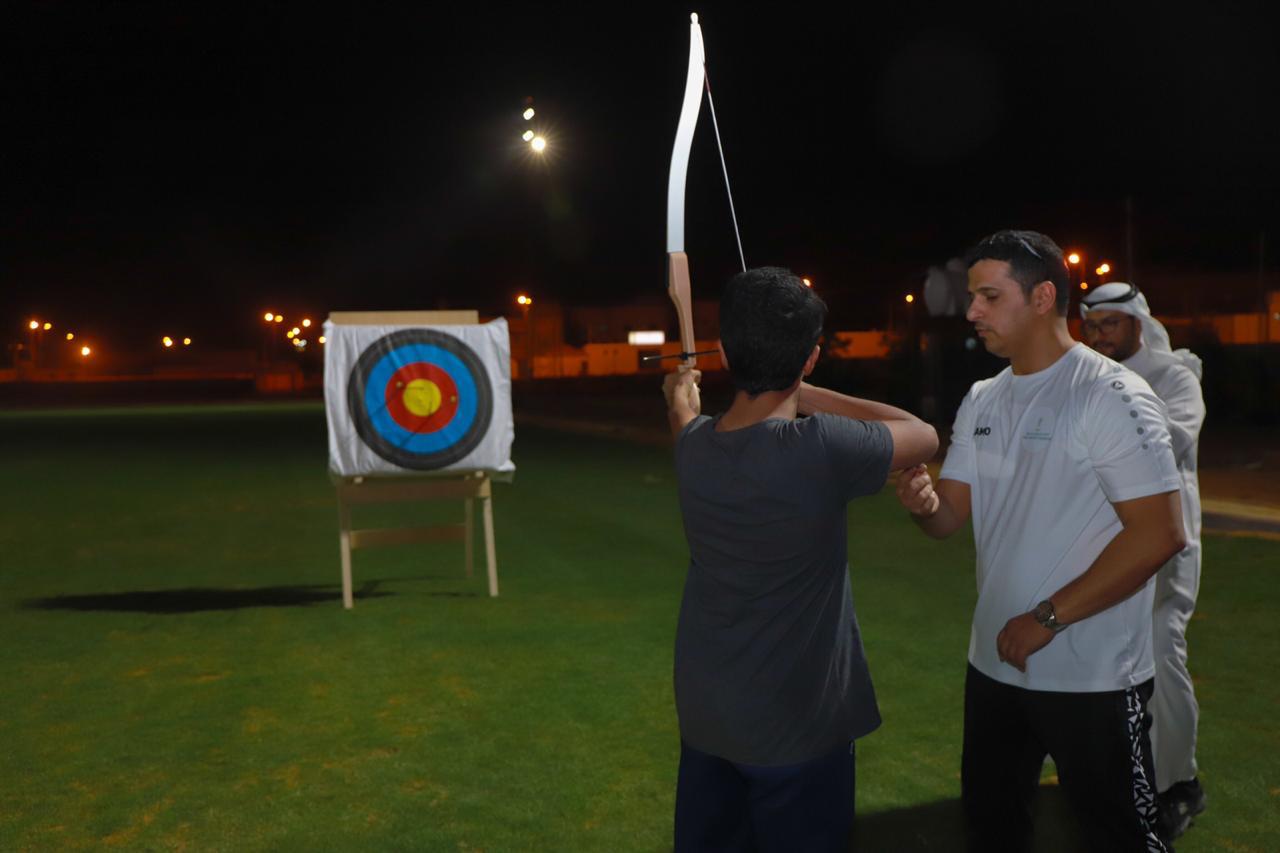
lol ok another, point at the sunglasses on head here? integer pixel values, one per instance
(1024, 244)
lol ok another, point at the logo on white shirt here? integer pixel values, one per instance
(1038, 428)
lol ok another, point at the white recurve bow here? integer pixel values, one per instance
(677, 261)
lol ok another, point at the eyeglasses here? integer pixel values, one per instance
(1109, 325)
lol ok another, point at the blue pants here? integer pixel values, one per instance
(725, 806)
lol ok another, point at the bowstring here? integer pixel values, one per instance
(706, 79)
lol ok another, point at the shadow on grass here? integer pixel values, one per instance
(196, 599)
(939, 826)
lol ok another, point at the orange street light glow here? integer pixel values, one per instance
(167, 341)
(910, 298)
(1104, 269)
(524, 300)
(70, 336)
(84, 351)
(279, 318)
(807, 283)
(186, 342)
(34, 324)
(306, 324)
(323, 339)
(1084, 285)
(1073, 258)
(268, 316)
(48, 326)
(290, 334)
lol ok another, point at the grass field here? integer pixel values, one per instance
(178, 672)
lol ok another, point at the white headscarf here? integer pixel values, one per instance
(1126, 299)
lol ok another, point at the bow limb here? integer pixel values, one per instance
(678, 287)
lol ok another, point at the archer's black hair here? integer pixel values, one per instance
(769, 324)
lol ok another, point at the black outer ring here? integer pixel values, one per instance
(378, 350)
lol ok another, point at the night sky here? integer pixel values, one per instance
(174, 165)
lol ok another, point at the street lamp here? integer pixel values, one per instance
(36, 338)
(268, 340)
(526, 302)
(1076, 259)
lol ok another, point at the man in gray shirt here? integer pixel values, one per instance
(770, 679)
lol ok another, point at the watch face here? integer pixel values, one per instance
(1043, 612)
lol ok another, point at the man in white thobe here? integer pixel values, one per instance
(1117, 322)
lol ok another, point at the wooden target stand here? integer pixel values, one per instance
(467, 486)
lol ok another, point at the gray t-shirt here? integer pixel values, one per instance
(769, 667)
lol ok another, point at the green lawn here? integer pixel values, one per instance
(179, 673)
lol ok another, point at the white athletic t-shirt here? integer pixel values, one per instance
(1045, 455)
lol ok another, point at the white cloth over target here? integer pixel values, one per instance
(418, 399)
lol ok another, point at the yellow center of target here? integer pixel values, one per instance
(422, 397)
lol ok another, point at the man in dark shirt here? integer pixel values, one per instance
(771, 682)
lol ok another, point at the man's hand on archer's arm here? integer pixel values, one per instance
(683, 401)
(938, 509)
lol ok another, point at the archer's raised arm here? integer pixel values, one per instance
(914, 441)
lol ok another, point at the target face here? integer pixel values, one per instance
(420, 398)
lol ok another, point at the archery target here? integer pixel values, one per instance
(420, 398)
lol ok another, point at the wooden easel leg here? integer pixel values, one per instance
(489, 546)
(469, 509)
(344, 545)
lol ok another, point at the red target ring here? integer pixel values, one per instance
(421, 397)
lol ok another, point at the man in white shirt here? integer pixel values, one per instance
(1117, 322)
(1064, 462)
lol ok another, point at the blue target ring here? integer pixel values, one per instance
(374, 378)
(380, 417)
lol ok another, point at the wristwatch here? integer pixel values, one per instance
(1046, 616)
